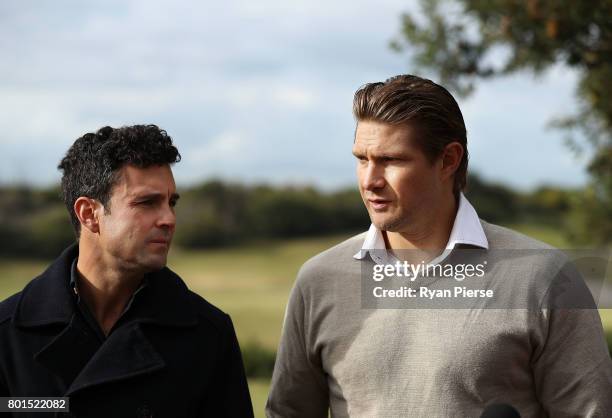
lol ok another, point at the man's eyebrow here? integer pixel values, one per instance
(154, 195)
(146, 195)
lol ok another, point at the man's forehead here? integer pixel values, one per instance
(382, 136)
(149, 180)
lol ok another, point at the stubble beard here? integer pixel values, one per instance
(391, 224)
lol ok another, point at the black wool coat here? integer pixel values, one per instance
(172, 354)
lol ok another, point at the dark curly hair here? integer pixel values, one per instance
(91, 165)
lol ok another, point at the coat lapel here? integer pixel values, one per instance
(126, 353)
(69, 351)
(77, 357)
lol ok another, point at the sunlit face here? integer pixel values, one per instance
(137, 232)
(398, 184)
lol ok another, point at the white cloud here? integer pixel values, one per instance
(247, 89)
(227, 145)
(295, 97)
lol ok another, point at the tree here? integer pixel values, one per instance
(467, 40)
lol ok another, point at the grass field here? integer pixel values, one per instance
(251, 283)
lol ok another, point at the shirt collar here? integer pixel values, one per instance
(467, 229)
(73, 276)
(75, 289)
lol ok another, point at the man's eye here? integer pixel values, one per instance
(172, 203)
(146, 202)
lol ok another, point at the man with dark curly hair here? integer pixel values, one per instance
(108, 325)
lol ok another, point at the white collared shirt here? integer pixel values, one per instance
(467, 229)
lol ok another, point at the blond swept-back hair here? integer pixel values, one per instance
(423, 105)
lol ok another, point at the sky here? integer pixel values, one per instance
(249, 91)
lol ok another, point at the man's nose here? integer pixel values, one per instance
(167, 218)
(373, 177)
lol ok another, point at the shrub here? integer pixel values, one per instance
(258, 360)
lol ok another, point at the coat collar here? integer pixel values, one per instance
(74, 354)
(49, 299)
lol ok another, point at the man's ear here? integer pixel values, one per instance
(451, 159)
(87, 210)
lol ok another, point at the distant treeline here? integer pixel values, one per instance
(35, 223)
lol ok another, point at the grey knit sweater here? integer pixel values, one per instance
(337, 356)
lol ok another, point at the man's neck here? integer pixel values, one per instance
(105, 289)
(426, 240)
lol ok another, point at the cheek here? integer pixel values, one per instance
(113, 234)
(360, 181)
(360, 171)
(400, 180)
(410, 184)
(119, 229)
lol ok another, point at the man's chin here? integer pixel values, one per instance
(389, 224)
(154, 264)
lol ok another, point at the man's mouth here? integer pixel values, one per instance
(379, 204)
(163, 241)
